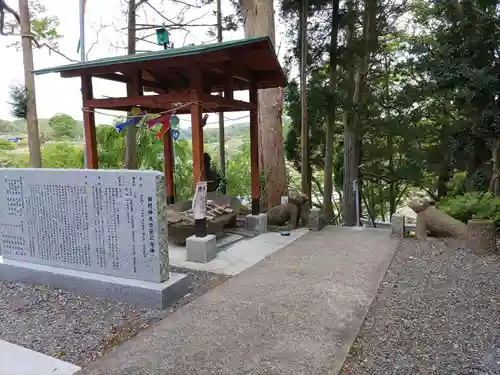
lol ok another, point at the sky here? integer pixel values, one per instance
(62, 95)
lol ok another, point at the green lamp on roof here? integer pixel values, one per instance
(162, 37)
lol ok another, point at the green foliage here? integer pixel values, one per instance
(18, 101)
(457, 184)
(472, 205)
(63, 126)
(7, 145)
(14, 127)
(62, 155)
(238, 172)
(43, 27)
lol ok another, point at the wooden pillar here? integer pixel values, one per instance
(89, 125)
(168, 166)
(134, 88)
(254, 150)
(200, 225)
(197, 143)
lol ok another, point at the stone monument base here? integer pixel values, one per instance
(135, 292)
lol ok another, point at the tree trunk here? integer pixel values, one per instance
(259, 21)
(330, 128)
(29, 79)
(495, 178)
(350, 139)
(131, 132)
(304, 126)
(443, 178)
(352, 132)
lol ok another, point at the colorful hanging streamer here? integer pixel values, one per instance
(165, 121)
(137, 114)
(130, 122)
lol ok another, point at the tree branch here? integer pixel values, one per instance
(54, 49)
(95, 42)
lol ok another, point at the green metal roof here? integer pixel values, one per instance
(157, 55)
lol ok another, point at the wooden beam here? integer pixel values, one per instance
(207, 99)
(233, 71)
(148, 84)
(147, 100)
(254, 150)
(89, 125)
(127, 67)
(229, 88)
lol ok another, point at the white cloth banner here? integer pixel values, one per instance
(200, 201)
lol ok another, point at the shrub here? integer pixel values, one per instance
(472, 205)
(7, 145)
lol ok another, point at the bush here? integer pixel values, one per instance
(472, 205)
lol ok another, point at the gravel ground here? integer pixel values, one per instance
(437, 312)
(77, 328)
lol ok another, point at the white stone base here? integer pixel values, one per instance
(201, 249)
(256, 223)
(135, 292)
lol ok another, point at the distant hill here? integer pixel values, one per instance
(211, 135)
(18, 127)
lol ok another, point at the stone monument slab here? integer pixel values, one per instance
(88, 220)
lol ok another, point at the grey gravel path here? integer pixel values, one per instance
(437, 312)
(294, 313)
(76, 328)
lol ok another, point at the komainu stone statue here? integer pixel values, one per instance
(289, 213)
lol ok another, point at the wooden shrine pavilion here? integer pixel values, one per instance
(184, 79)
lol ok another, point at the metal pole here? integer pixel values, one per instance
(358, 208)
(222, 145)
(82, 58)
(304, 132)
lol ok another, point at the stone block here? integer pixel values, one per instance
(256, 223)
(421, 227)
(398, 225)
(316, 219)
(201, 249)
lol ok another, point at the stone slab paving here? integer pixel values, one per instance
(16, 360)
(237, 256)
(296, 312)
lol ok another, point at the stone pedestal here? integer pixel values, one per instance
(481, 236)
(316, 219)
(256, 223)
(139, 293)
(421, 229)
(201, 249)
(398, 225)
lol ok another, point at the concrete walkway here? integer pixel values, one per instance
(296, 312)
